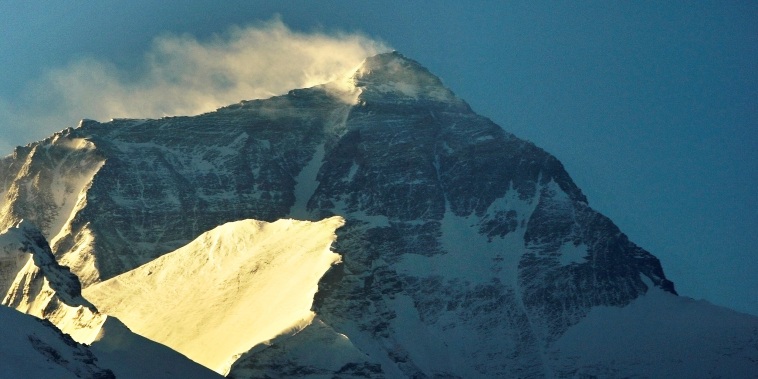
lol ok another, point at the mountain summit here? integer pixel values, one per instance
(465, 252)
(391, 76)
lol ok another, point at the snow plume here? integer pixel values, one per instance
(182, 75)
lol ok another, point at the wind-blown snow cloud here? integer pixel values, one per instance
(185, 76)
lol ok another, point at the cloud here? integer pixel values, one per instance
(182, 75)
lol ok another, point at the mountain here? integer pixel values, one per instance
(465, 252)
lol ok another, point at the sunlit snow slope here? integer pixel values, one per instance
(230, 289)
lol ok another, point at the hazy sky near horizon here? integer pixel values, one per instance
(651, 106)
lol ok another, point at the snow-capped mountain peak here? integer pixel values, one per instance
(393, 76)
(465, 251)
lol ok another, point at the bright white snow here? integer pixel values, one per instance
(238, 285)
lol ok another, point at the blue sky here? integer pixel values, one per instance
(651, 106)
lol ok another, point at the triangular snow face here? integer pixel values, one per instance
(238, 285)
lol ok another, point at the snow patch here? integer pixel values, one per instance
(406, 89)
(471, 255)
(307, 184)
(570, 253)
(351, 173)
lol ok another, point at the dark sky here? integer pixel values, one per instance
(651, 106)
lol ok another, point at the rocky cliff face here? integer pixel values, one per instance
(467, 252)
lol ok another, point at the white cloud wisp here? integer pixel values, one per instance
(185, 76)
